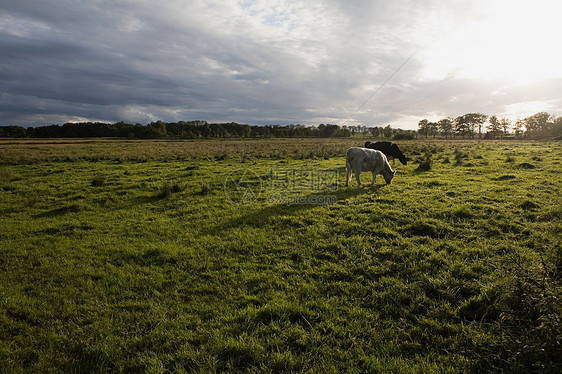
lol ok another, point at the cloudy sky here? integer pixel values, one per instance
(347, 62)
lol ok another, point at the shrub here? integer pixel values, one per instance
(404, 136)
(425, 163)
(169, 189)
(506, 177)
(459, 156)
(528, 205)
(98, 181)
(205, 189)
(221, 157)
(526, 165)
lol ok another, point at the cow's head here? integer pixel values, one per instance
(388, 177)
(402, 159)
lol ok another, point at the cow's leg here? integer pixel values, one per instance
(348, 174)
(358, 173)
(358, 176)
(374, 178)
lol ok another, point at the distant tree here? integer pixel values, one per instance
(518, 127)
(557, 126)
(478, 119)
(404, 135)
(123, 129)
(246, 131)
(328, 130)
(12, 132)
(376, 132)
(432, 129)
(538, 125)
(494, 127)
(387, 132)
(156, 130)
(467, 123)
(446, 127)
(505, 125)
(51, 131)
(206, 131)
(461, 126)
(423, 127)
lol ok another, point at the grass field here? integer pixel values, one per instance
(253, 256)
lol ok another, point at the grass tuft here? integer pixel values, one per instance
(98, 181)
(168, 189)
(205, 189)
(425, 163)
(529, 205)
(526, 165)
(506, 177)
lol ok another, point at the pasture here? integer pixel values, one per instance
(253, 256)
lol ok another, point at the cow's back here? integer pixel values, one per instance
(390, 149)
(381, 146)
(354, 154)
(365, 158)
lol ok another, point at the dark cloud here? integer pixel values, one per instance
(255, 62)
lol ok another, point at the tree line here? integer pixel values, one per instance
(195, 130)
(469, 125)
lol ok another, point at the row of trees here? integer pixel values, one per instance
(179, 130)
(199, 129)
(468, 125)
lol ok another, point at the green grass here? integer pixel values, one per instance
(116, 259)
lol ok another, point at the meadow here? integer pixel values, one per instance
(253, 256)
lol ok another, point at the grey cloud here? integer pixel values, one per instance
(138, 62)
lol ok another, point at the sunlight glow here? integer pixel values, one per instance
(524, 109)
(512, 41)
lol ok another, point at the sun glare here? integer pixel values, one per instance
(515, 42)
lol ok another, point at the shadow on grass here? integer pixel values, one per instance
(296, 204)
(57, 212)
(100, 203)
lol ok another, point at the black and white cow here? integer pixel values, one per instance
(390, 150)
(365, 159)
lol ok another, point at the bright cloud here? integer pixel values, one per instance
(264, 62)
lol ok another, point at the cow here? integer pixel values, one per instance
(365, 159)
(390, 150)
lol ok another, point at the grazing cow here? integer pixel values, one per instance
(365, 159)
(390, 150)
